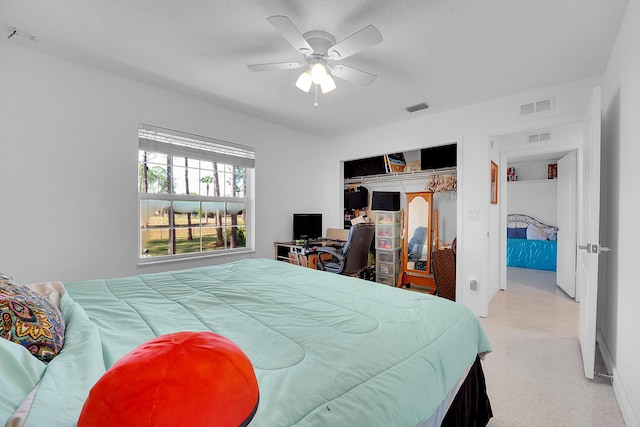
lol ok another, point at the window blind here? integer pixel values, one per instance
(176, 143)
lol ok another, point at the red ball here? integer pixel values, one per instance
(181, 379)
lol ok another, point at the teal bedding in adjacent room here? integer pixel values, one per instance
(535, 254)
(531, 243)
(327, 350)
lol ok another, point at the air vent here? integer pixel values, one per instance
(539, 137)
(527, 108)
(543, 105)
(537, 106)
(417, 107)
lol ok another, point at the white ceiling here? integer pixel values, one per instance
(447, 53)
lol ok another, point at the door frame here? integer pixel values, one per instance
(504, 159)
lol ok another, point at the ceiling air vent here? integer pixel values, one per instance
(539, 137)
(417, 107)
(537, 106)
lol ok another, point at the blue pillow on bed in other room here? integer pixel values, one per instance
(516, 233)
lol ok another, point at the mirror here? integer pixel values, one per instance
(418, 246)
(417, 238)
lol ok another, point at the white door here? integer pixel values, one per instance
(566, 260)
(589, 232)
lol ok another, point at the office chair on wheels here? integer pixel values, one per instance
(354, 255)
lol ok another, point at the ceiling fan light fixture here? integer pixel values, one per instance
(327, 84)
(318, 72)
(319, 47)
(304, 81)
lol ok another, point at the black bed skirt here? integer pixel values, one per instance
(471, 406)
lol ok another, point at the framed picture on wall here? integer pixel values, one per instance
(494, 183)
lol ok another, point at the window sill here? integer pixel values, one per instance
(190, 257)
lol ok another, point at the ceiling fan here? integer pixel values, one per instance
(319, 48)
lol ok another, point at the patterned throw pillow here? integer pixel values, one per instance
(30, 320)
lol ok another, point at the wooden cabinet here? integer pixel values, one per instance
(417, 245)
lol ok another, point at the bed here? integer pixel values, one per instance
(531, 243)
(326, 349)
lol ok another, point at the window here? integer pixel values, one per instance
(193, 194)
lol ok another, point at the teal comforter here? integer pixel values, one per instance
(327, 350)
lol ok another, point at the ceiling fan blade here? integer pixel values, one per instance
(353, 75)
(289, 31)
(276, 66)
(365, 38)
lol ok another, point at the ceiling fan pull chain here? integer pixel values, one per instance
(315, 91)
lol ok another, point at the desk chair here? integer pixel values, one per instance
(354, 256)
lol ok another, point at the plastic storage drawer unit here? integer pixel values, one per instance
(388, 217)
(387, 242)
(386, 279)
(391, 230)
(388, 268)
(388, 255)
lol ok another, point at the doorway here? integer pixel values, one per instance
(538, 195)
(542, 187)
(584, 138)
(534, 194)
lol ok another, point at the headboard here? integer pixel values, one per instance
(522, 221)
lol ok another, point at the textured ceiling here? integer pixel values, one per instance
(447, 53)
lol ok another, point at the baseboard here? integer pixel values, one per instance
(604, 351)
(618, 385)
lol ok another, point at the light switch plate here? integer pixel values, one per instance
(473, 214)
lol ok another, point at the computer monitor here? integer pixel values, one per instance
(307, 226)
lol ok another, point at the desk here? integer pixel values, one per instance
(293, 253)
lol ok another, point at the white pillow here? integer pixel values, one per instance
(534, 233)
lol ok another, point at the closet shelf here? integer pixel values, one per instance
(399, 176)
(532, 180)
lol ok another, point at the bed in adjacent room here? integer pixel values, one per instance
(531, 243)
(326, 349)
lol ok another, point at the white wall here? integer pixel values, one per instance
(535, 198)
(619, 291)
(531, 170)
(471, 127)
(68, 144)
(447, 205)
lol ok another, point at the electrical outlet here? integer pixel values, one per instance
(473, 284)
